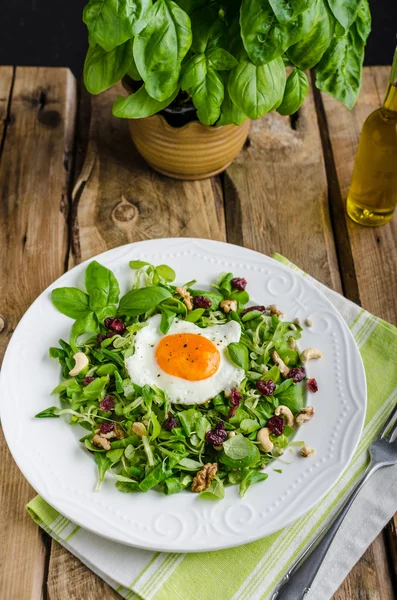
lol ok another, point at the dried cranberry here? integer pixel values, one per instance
(88, 380)
(297, 374)
(217, 436)
(266, 387)
(100, 337)
(170, 422)
(106, 427)
(251, 308)
(115, 325)
(276, 425)
(201, 302)
(107, 404)
(235, 399)
(239, 283)
(312, 385)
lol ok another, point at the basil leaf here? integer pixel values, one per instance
(306, 53)
(220, 60)
(345, 11)
(263, 37)
(286, 10)
(102, 287)
(339, 71)
(250, 477)
(255, 90)
(194, 71)
(103, 69)
(138, 302)
(87, 324)
(208, 29)
(71, 302)
(207, 97)
(229, 112)
(133, 71)
(160, 48)
(238, 353)
(113, 22)
(140, 105)
(296, 90)
(363, 20)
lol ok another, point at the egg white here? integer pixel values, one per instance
(143, 368)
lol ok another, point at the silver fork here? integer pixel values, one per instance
(297, 582)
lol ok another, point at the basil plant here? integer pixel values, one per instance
(228, 58)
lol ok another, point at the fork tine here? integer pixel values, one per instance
(388, 423)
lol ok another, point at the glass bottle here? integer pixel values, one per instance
(372, 196)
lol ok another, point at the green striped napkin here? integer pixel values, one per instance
(250, 572)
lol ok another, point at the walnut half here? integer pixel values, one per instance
(186, 296)
(203, 479)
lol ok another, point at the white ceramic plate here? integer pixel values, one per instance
(49, 455)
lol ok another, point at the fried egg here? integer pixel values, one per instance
(189, 363)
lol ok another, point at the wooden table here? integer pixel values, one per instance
(72, 185)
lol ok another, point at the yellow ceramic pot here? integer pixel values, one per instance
(193, 151)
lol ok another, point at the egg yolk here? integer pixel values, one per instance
(188, 356)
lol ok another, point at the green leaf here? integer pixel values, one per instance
(214, 297)
(220, 60)
(249, 425)
(229, 112)
(255, 90)
(339, 72)
(93, 389)
(114, 455)
(363, 20)
(264, 38)
(187, 419)
(112, 22)
(194, 315)
(292, 397)
(138, 264)
(208, 29)
(133, 71)
(71, 302)
(52, 412)
(138, 106)
(239, 354)
(87, 324)
(286, 10)
(207, 97)
(166, 273)
(194, 71)
(296, 90)
(103, 69)
(103, 464)
(167, 318)
(202, 425)
(139, 301)
(238, 451)
(250, 477)
(66, 383)
(190, 464)
(102, 287)
(216, 491)
(160, 48)
(306, 53)
(345, 11)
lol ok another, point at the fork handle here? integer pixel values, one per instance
(297, 582)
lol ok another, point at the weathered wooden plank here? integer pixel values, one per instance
(373, 280)
(276, 194)
(6, 80)
(119, 199)
(34, 177)
(374, 250)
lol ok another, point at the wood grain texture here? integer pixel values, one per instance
(118, 199)
(276, 194)
(374, 250)
(34, 177)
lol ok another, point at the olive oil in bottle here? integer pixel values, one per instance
(372, 196)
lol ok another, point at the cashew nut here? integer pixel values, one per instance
(264, 440)
(297, 321)
(306, 451)
(291, 343)
(139, 429)
(81, 361)
(308, 322)
(310, 353)
(284, 370)
(231, 434)
(285, 412)
(229, 305)
(305, 415)
(292, 326)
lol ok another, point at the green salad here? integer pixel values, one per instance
(148, 433)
